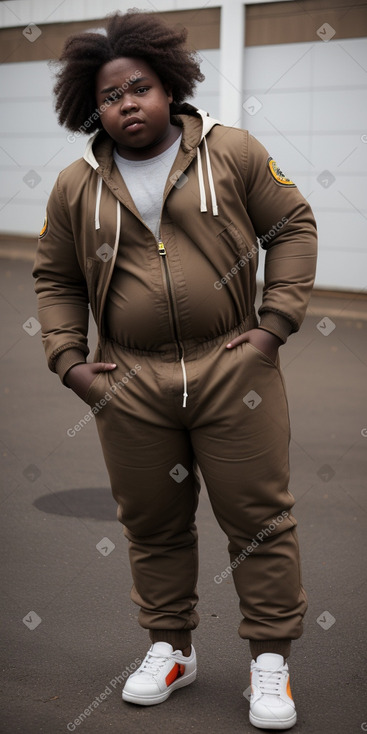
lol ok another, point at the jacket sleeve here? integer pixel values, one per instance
(61, 289)
(286, 228)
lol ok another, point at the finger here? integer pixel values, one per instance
(238, 340)
(103, 366)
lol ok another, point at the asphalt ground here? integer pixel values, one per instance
(69, 630)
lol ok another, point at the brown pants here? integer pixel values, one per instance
(235, 426)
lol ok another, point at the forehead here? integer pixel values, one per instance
(121, 70)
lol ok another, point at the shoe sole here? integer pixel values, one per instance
(159, 697)
(275, 724)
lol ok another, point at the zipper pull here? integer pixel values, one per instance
(161, 248)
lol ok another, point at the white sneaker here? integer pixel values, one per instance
(271, 702)
(161, 672)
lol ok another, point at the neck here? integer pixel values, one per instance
(153, 149)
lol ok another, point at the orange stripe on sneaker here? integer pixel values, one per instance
(289, 689)
(173, 674)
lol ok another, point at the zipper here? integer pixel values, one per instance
(163, 253)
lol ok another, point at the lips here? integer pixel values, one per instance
(132, 121)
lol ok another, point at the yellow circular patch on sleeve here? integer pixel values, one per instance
(44, 227)
(278, 175)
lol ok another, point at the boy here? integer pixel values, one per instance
(158, 229)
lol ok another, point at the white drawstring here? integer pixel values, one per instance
(185, 393)
(211, 182)
(203, 207)
(98, 202)
(118, 215)
(118, 227)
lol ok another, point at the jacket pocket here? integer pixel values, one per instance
(232, 237)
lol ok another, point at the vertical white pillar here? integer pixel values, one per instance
(232, 34)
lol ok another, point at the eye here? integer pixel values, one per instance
(114, 97)
(141, 90)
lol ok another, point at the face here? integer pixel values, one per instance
(134, 108)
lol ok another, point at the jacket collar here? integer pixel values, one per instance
(195, 125)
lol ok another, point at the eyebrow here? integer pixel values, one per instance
(112, 89)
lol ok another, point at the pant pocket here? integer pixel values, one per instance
(260, 353)
(94, 390)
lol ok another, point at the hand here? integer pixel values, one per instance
(263, 340)
(80, 377)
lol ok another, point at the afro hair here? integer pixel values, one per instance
(134, 34)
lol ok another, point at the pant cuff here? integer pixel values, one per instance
(179, 639)
(280, 647)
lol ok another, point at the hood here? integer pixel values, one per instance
(207, 123)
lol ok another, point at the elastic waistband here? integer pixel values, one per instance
(191, 347)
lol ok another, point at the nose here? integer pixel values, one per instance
(128, 104)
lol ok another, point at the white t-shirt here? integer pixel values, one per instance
(146, 182)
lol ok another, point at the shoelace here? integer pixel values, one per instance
(270, 681)
(151, 665)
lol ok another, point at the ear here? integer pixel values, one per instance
(168, 91)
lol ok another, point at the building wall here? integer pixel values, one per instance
(313, 121)
(303, 96)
